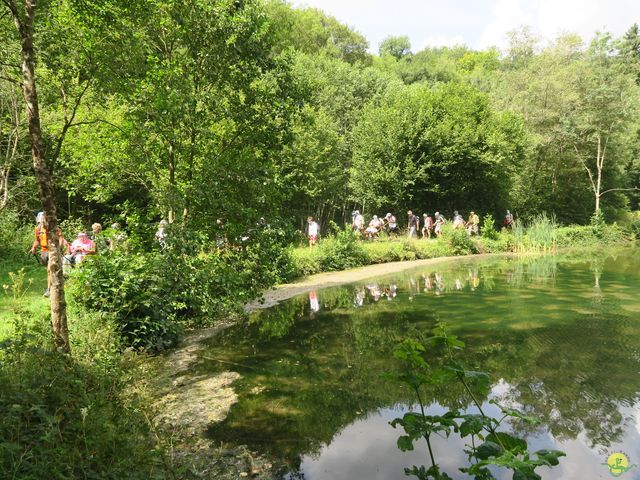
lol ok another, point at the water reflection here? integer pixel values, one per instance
(560, 336)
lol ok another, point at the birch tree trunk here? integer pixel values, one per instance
(42, 173)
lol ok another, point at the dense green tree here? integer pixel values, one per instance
(398, 47)
(439, 149)
(315, 166)
(312, 31)
(629, 46)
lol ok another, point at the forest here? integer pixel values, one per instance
(234, 110)
(235, 120)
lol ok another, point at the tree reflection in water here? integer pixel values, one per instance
(566, 351)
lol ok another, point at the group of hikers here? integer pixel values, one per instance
(75, 252)
(431, 226)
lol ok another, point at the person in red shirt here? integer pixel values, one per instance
(81, 247)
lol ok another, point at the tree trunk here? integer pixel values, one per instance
(600, 166)
(43, 176)
(172, 179)
(189, 176)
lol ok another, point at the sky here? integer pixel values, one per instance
(477, 23)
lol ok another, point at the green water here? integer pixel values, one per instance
(560, 336)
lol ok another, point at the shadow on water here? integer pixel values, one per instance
(560, 336)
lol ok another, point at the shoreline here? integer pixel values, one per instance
(188, 402)
(285, 291)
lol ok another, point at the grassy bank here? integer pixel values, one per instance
(79, 416)
(344, 250)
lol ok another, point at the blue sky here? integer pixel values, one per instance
(477, 23)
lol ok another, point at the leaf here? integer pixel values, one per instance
(550, 457)
(525, 474)
(405, 443)
(474, 424)
(511, 443)
(488, 449)
(513, 412)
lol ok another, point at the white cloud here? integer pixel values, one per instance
(506, 15)
(550, 18)
(482, 23)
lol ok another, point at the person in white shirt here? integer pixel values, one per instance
(358, 222)
(313, 230)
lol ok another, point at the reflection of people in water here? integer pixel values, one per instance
(474, 280)
(440, 286)
(359, 300)
(393, 290)
(458, 284)
(375, 291)
(427, 282)
(314, 305)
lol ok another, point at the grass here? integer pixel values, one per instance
(541, 235)
(26, 298)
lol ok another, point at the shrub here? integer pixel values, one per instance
(152, 296)
(306, 261)
(488, 229)
(341, 251)
(460, 242)
(135, 291)
(15, 238)
(633, 225)
(67, 417)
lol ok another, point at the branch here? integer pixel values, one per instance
(67, 123)
(13, 8)
(12, 80)
(632, 189)
(98, 120)
(584, 164)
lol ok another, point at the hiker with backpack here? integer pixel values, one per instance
(427, 225)
(41, 242)
(414, 224)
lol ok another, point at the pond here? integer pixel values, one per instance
(559, 335)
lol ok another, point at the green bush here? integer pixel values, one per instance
(68, 417)
(633, 225)
(460, 242)
(341, 251)
(151, 296)
(135, 290)
(504, 242)
(582, 236)
(306, 261)
(15, 238)
(488, 229)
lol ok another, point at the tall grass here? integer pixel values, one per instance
(542, 233)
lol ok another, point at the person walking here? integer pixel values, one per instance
(508, 220)
(473, 223)
(439, 223)
(414, 224)
(391, 224)
(427, 225)
(313, 230)
(41, 242)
